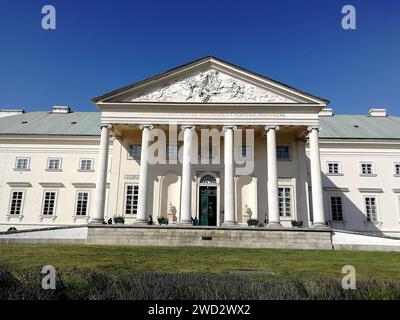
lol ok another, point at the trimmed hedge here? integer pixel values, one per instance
(94, 285)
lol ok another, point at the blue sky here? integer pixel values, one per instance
(99, 46)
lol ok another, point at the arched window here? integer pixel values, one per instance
(208, 179)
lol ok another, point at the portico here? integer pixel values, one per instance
(210, 94)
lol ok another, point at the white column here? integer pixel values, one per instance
(274, 219)
(101, 178)
(229, 183)
(142, 216)
(316, 181)
(186, 194)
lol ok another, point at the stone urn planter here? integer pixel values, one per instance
(162, 221)
(252, 223)
(119, 220)
(297, 224)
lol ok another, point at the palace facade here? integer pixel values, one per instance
(207, 143)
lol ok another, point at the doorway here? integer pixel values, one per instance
(208, 206)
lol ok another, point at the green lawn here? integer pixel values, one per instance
(117, 259)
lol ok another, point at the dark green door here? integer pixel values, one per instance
(208, 206)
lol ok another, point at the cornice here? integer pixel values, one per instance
(30, 137)
(204, 106)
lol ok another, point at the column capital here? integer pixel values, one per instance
(224, 128)
(313, 127)
(148, 126)
(188, 126)
(271, 127)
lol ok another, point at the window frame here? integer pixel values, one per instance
(54, 158)
(167, 152)
(91, 164)
(342, 205)
(292, 203)
(395, 164)
(378, 219)
(28, 166)
(372, 174)
(289, 152)
(87, 215)
(338, 163)
(249, 151)
(397, 196)
(131, 156)
(54, 215)
(20, 215)
(125, 199)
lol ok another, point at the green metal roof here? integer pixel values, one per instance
(47, 123)
(359, 127)
(88, 124)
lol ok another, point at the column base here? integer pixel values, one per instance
(229, 224)
(185, 222)
(96, 221)
(320, 225)
(274, 225)
(140, 222)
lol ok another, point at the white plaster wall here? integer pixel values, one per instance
(68, 233)
(383, 155)
(345, 239)
(123, 171)
(71, 150)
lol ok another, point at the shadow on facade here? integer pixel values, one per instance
(354, 218)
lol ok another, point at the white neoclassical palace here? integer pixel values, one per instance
(206, 143)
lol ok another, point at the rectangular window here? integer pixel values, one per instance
(131, 199)
(82, 201)
(245, 151)
(336, 208)
(86, 165)
(371, 209)
(22, 164)
(367, 168)
(54, 164)
(333, 168)
(49, 202)
(135, 151)
(282, 153)
(16, 202)
(172, 152)
(397, 169)
(285, 201)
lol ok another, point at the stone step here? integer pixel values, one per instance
(298, 239)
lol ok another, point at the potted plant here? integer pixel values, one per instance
(119, 220)
(252, 222)
(297, 224)
(162, 220)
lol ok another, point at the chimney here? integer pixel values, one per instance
(61, 109)
(326, 112)
(377, 112)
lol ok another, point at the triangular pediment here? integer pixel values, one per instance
(209, 81)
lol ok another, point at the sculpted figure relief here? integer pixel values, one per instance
(211, 86)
